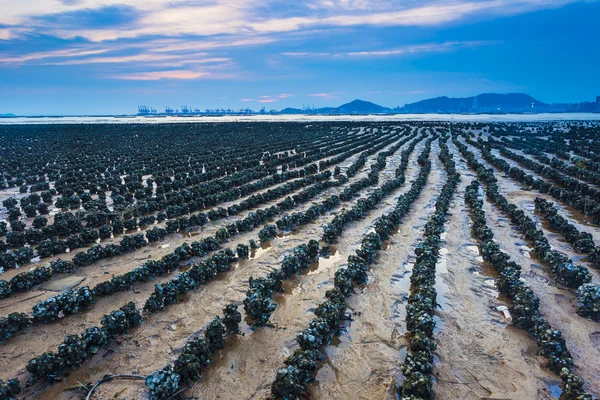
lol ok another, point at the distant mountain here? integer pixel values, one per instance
(354, 107)
(487, 102)
(362, 107)
(9, 115)
(483, 103)
(290, 110)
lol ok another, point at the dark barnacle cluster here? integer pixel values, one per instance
(525, 307)
(132, 242)
(5, 290)
(121, 320)
(581, 241)
(155, 234)
(169, 292)
(12, 324)
(7, 261)
(292, 380)
(588, 296)
(215, 332)
(417, 367)
(9, 390)
(194, 357)
(574, 191)
(147, 220)
(363, 205)
(62, 267)
(95, 338)
(289, 222)
(163, 383)
(573, 386)
(50, 247)
(24, 281)
(151, 268)
(232, 318)
(258, 302)
(267, 233)
(76, 349)
(185, 193)
(70, 302)
(243, 251)
(369, 246)
(127, 244)
(334, 229)
(23, 255)
(564, 270)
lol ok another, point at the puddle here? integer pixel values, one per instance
(262, 250)
(286, 234)
(441, 287)
(554, 388)
(326, 263)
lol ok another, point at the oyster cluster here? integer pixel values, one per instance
(334, 229)
(169, 292)
(194, 357)
(9, 390)
(581, 241)
(76, 349)
(525, 307)
(563, 269)
(258, 303)
(417, 367)
(292, 380)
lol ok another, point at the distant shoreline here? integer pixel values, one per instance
(301, 118)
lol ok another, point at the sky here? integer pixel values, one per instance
(109, 56)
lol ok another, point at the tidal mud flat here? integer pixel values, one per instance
(333, 254)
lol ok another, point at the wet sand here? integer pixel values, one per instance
(479, 354)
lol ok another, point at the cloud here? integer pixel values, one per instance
(68, 53)
(101, 20)
(158, 75)
(153, 59)
(413, 49)
(182, 40)
(333, 95)
(269, 98)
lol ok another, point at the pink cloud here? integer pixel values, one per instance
(267, 101)
(157, 75)
(333, 95)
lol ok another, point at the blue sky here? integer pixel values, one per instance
(108, 56)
